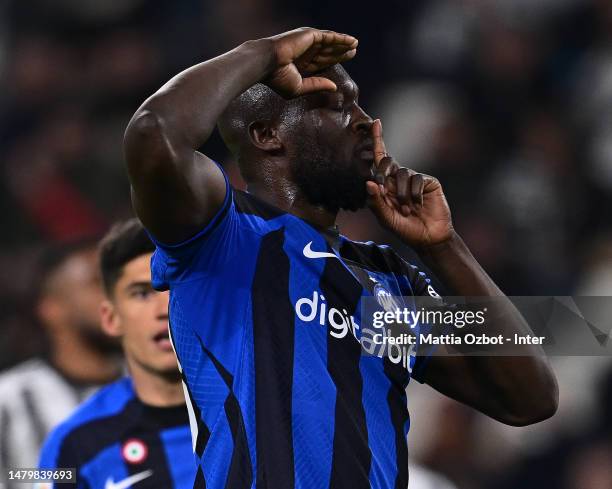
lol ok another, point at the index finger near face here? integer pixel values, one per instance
(379, 149)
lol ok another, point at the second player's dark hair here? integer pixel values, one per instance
(125, 241)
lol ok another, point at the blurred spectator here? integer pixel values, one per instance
(39, 393)
(447, 451)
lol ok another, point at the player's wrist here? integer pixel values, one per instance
(451, 244)
(263, 49)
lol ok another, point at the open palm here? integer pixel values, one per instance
(304, 51)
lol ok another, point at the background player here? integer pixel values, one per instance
(135, 430)
(37, 394)
(308, 408)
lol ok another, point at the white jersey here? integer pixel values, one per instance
(423, 478)
(34, 398)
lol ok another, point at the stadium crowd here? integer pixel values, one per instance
(505, 101)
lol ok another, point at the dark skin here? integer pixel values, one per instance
(176, 190)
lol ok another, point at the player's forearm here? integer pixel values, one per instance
(189, 105)
(453, 263)
(523, 383)
(455, 266)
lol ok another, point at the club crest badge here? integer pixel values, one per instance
(384, 298)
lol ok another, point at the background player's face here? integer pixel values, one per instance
(330, 145)
(139, 316)
(72, 300)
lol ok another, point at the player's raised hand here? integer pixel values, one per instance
(304, 51)
(410, 204)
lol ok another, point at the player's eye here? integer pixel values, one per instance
(141, 293)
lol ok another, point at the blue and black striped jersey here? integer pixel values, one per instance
(264, 316)
(116, 441)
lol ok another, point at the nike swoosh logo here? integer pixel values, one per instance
(308, 253)
(128, 481)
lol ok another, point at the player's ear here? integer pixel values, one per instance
(265, 136)
(109, 319)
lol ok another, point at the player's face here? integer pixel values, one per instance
(332, 146)
(77, 293)
(139, 315)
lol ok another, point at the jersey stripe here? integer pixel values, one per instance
(377, 385)
(89, 474)
(4, 445)
(273, 364)
(199, 482)
(174, 441)
(351, 454)
(396, 399)
(314, 395)
(240, 473)
(35, 418)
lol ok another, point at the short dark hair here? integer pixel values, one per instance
(125, 241)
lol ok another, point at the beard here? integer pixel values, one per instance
(326, 182)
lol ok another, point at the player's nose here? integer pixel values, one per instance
(362, 122)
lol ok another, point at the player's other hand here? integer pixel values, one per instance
(301, 52)
(410, 204)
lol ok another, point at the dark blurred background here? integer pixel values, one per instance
(507, 102)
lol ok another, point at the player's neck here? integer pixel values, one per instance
(82, 364)
(154, 389)
(291, 200)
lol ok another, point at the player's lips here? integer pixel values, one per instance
(162, 340)
(365, 150)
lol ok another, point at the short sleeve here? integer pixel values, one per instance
(174, 263)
